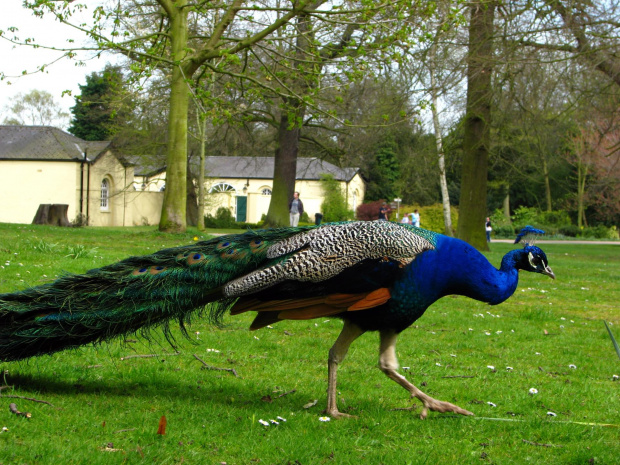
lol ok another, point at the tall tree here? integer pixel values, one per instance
(477, 124)
(384, 172)
(36, 108)
(160, 35)
(103, 106)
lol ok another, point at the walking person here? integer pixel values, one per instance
(415, 218)
(383, 212)
(488, 228)
(295, 208)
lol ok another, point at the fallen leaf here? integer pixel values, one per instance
(162, 425)
(311, 404)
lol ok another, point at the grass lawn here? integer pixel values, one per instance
(106, 409)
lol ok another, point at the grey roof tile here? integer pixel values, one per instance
(262, 168)
(45, 143)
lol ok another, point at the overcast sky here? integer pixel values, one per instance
(62, 75)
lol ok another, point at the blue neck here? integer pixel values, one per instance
(455, 267)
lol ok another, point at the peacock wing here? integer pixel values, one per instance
(330, 270)
(327, 251)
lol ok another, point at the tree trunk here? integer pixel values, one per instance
(201, 174)
(174, 208)
(445, 198)
(191, 204)
(547, 185)
(476, 139)
(285, 170)
(506, 203)
(54, 214)
(582, 174)
(291, 119)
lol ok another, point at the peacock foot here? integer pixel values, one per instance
(439, 406)
(336, 415)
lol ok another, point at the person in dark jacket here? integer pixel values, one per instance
(295, 208)
(488, 228)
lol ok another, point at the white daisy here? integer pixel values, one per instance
(533, 391)
(551, 414)
(574, 367)
(280, 418)
(491, 404)
(509, 368)
(324, 419)
(490, 367)
(263, 422)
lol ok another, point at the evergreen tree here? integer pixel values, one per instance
(100, 111)
(334, 206)
(384, 171)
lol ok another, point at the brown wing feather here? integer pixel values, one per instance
(374, 299)
(272, 311)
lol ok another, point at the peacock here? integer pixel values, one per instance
(373, 275)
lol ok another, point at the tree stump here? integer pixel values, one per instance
(54, 214)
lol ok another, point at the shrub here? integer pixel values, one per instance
(223, 219)
(599, 232)
(504, 232)
(570, 230)
(525, 215)
(498, 219)
(554, 218)
(431, 216)
(334, 206)
(369, 211)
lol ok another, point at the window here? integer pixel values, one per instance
(265, 191)
(221, 187)
(105, 194)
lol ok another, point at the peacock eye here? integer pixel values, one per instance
(139, 271)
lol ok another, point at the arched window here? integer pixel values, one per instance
(265, 191)
(105, 194)
(221, 187)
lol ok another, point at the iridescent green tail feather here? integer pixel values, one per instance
(134, 294)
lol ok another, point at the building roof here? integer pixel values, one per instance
(263, 167)
(45, 143)
(149, 168)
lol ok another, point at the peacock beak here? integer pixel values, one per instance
(547, 271)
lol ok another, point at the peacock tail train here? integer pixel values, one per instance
(141, 292)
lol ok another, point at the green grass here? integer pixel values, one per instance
(99, 400)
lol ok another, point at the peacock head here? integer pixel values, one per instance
(532, 258)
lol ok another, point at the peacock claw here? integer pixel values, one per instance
(442, 407)
(336, 415)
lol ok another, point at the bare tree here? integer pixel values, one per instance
(36, 108)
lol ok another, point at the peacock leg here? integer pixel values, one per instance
(389, 364)
(337, 353)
